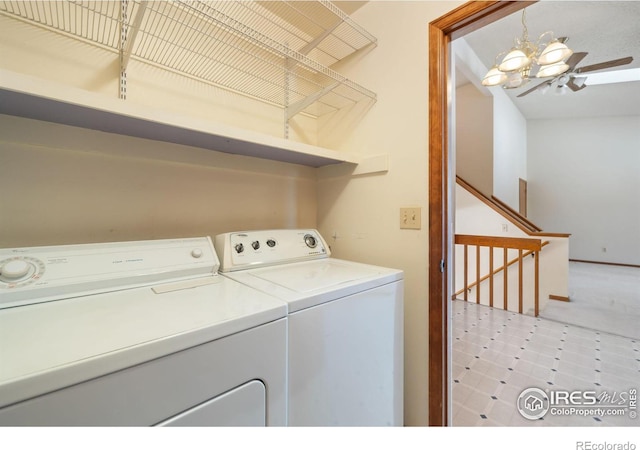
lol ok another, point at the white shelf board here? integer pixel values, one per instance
(30, 97)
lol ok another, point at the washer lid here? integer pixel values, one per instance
(311, 283)
(320, 275)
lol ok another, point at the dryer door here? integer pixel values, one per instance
(245, 405)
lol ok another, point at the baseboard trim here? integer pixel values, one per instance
(605, 263)
(559, 298)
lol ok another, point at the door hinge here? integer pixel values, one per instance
(442, 265)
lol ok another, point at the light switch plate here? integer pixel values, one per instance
(410, 218)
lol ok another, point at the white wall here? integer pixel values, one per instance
(363, 211)
(584, 179)
(510, 149)
(508, 133)
(474, 140)
(68, 185)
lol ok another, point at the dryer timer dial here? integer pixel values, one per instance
(20, 270)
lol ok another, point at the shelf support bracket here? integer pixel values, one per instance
(321, 37)
(313, 44)
(295, 108)
(128, 35)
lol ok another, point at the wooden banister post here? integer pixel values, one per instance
(520, 282)
(478, 273)
(491, 276)
(466, 277)
(536, 256)
(506, 285)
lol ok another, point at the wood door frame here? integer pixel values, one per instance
(522, 197)
(458, 22)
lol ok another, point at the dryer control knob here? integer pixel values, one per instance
(310, 241)
(196, 253)
(239, 248)
(15, 269)
(255, 245)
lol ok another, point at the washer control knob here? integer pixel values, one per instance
(255, 245)
(271, 243)
(15, 269)
(239, 248)
(310, 241)
(196, 253)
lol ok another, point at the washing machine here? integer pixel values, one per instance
(136, 334)
(345, 330)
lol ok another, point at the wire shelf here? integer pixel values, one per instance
(96, 21)
(274, 51)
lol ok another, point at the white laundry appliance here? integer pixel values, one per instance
(345, 330)
(134, 334)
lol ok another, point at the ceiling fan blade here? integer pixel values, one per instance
(575, 59)
(577, 83)
(605, 65)
(536, 87)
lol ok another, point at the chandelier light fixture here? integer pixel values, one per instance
(546, 57)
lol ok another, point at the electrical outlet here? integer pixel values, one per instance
(410, 218)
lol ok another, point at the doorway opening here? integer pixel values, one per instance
(442, 31)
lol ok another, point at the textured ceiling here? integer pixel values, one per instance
(605, 29)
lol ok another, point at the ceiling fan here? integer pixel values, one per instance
(571, 77)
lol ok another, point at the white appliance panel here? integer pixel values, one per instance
(244, 406)
(139, 332)
(345, 337)
(38, 274)
(309, 286)
(324, 274)
(152, 392)
(68, 341)
(346, 363)
(250, 249)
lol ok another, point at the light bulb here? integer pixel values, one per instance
(515, 60)
(494, 77)
(552, 70)
(555, 52)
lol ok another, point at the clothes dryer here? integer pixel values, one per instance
(136, 333)
(345, 330)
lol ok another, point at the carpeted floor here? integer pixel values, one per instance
(603, 297)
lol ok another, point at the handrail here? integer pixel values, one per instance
(515, 214)
(533, 246)
(508, 213)
(497, 241)
(527, 226)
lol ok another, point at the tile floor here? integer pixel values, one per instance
(497, 354)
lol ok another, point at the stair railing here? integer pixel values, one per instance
(524, 246)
